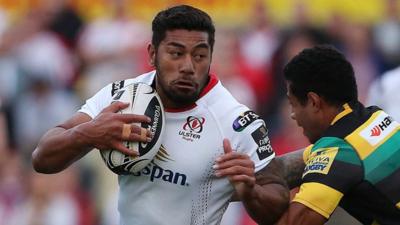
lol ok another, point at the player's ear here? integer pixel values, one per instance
(315, 100)
(152, 54)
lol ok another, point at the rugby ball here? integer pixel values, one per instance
(143, 100)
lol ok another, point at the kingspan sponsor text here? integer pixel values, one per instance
(155, 172)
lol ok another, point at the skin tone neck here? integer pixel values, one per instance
(182, 61)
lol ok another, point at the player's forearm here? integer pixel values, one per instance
(292, 165)
(299, 214)
(59, 148)
(265, 204)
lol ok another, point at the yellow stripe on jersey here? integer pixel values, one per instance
(362, 146)
(346, 111)
(318, 197)
(398, 205)
(306, 153)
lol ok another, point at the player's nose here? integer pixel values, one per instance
(187, 65)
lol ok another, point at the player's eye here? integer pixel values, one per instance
(175, 54)
(199, 56)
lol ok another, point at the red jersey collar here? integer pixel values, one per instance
(211, 83)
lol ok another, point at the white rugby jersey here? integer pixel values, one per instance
(179, 185)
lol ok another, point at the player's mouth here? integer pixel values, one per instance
(185, 85)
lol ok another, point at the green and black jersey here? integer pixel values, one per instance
(356, 164)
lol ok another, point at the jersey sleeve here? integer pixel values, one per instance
(250, 136)
(332, 168)
(98, 102)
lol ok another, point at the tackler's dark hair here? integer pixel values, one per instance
(323, 70)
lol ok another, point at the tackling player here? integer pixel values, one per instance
(354, 159)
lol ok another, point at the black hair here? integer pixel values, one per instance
(323, 70)
(182, 17)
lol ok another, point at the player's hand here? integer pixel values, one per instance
(106, 130)
(239, 169)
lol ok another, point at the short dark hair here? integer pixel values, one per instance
(323, 70)
(182, 17)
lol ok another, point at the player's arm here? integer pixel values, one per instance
(270, 196)
(292, 166)
(299, 214)
(68, 142)
(264, 195)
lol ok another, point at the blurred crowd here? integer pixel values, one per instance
(52, 59)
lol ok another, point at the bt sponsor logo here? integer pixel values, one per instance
(244, 120)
